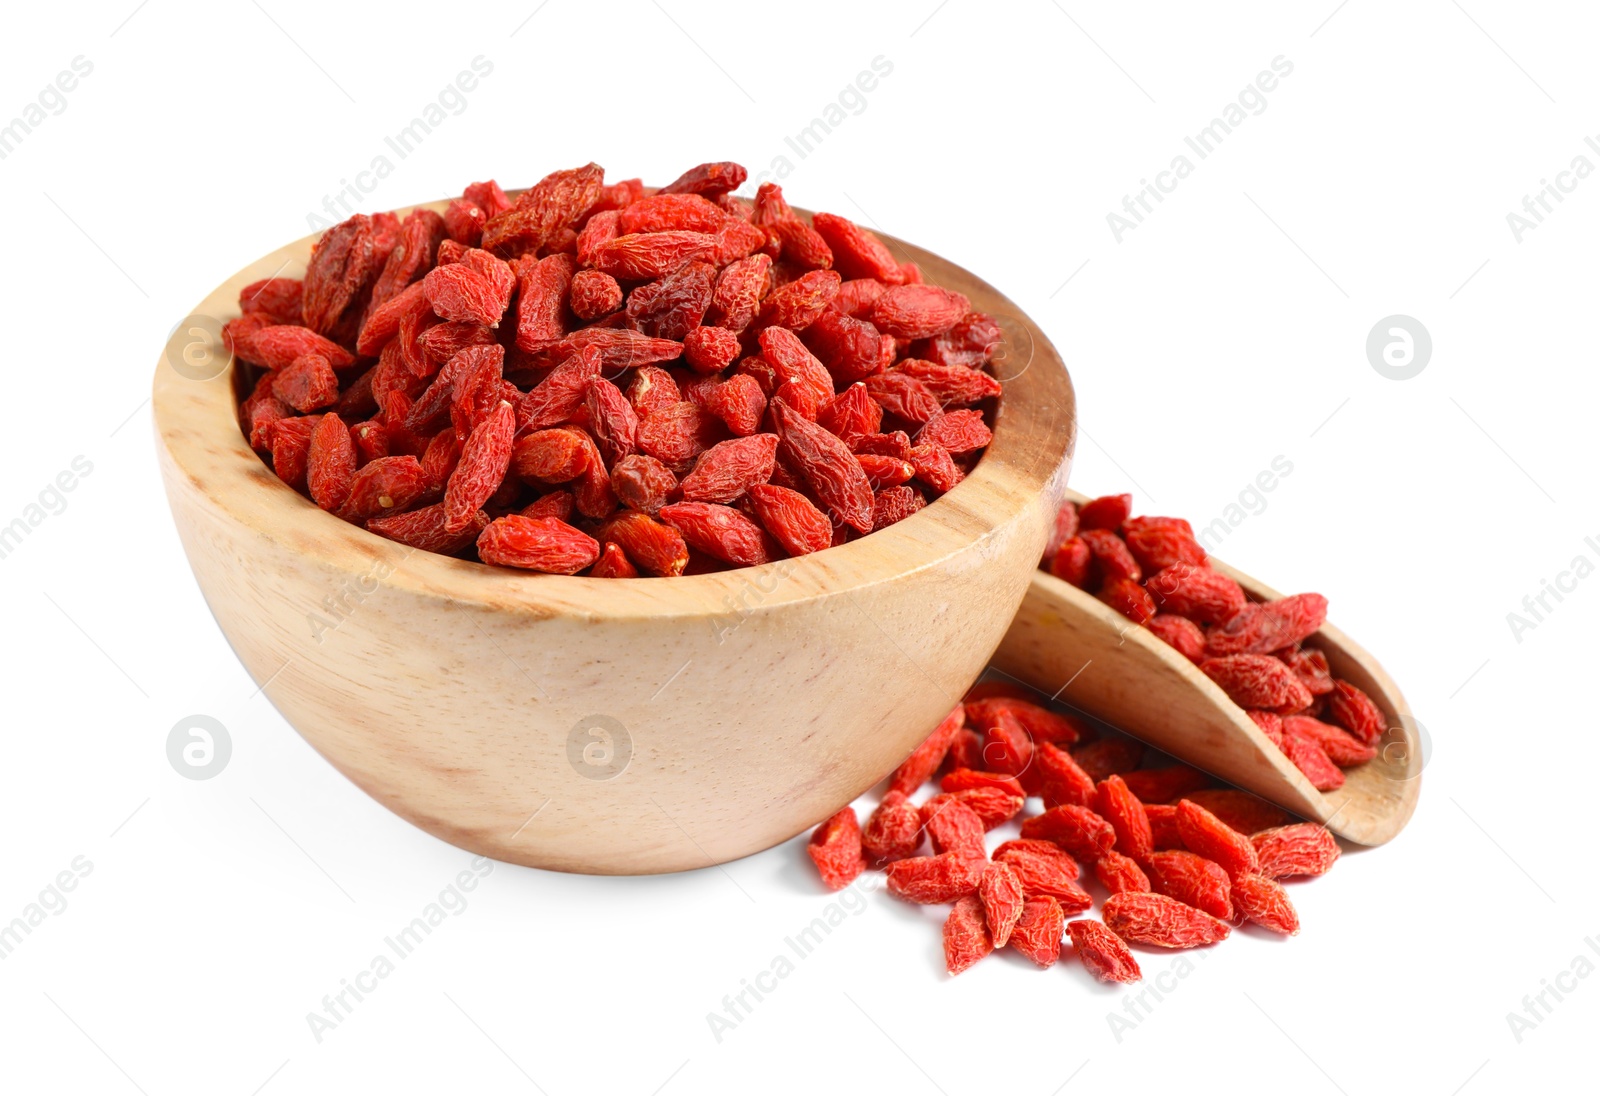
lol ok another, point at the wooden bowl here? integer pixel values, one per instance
(1070, 645)
(602, 725)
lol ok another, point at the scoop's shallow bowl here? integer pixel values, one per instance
(602, 725)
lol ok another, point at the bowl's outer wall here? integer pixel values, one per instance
(740, 708)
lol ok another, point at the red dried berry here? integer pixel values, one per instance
(1105, 512)
(1160, 921)
(1164, 784)
(827, 464)
(1073, 563)
(1257, 681)
(537, 544)
(1180, 633)
(857, 253)
(835, 847)
(592, 295)
(1160, 542)
(613, 563)
(1118, 873)
(330, 463)
(1343, 749)
(1303, 848)
(656, 548)
(1120, 807)
(1078, 830)
(917, 769)
(1111, 556)
(424, 529)
(1060, 778)
(791, 518)
(1109, 755)
(1199, 593)
(1052, 875)
(934, 880)
(642, 483)
(730, 468)
(966, 938)
(645, 256)
(1238, 810)
(894, 830)
(1103, 953)
(953, 827)
(1130, 599)
(721, 532)
(1262, 901)
(1312, 760)
(1354, 710)
(1037, 933)
(485, 457)
(1000, 891)
(1207, 835)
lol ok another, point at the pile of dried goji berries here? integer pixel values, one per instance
(1177, 857)
(1154, 571)
(615, 380)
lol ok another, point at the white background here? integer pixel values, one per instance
(1226, 330)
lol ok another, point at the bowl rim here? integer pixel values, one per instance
(218, 462)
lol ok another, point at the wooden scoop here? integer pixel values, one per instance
(1072, 647)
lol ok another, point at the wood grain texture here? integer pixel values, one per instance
(756, 702)
(1068, 644)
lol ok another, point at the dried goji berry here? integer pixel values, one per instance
(330, 463)
(1105, 512)
(384, 485)
(1118, 873)
(1311, 667)
(1262, 901)
(425, 529)
(721, 532)
(1257, 681)
(1208, 836)
(1060, 778)
(835, 847)
(966, 937)
(1303, 848)
(953, 826)
(1128, 598)
(1111, 556)
(918, 768)
(642, 483)
(801, 301)
(1180, 633)
(1238, 810)
(791, 518)
(857, 253)
(933, 880)
(645, 256)
(1103, 953)
(959, 432)
(1037, 933)
(544, 291)
(1108, 755)
(1164, 784)
(1312, 760)
(1160, 921)
(1001, 893)
(729, 468)
(1341, 748)
(893, 831)
(1354, 710)
(1073, 563)
(554, 203)
(485, 457)
(827, 464)
(1049, 875)
(613, 563)
(1199, 593)
(537, 544)
(1078, 830)
(1120, 807)
(657, 549)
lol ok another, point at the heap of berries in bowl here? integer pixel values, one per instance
(613, 380)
